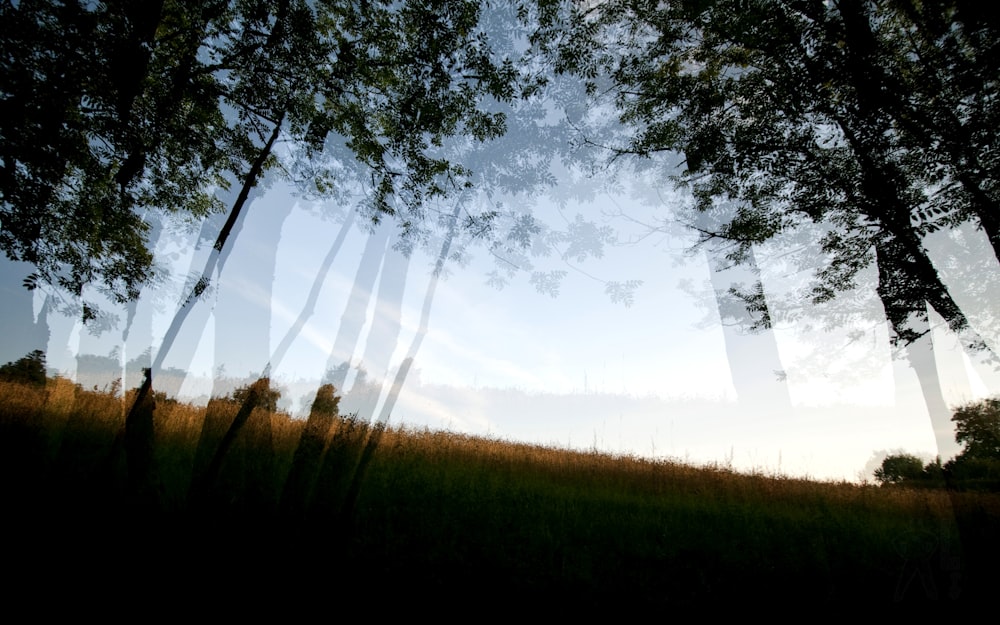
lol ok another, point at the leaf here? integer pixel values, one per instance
(548, 282)
(622, 292)
(30, 281)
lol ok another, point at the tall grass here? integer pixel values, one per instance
(439, 511)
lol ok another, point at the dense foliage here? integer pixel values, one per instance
(977, 427)
(865, 124)
(266, 399)
(111, 111)
(897, 468)
(29, 370)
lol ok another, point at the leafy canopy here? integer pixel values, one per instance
(977, 427)
(871, 119)
(113, 111)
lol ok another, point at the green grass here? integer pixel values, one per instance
(439, 513)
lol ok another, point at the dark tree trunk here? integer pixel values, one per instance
(297, 495)
(216, 258)
(243, 298)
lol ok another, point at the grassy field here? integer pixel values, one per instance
(435, 514)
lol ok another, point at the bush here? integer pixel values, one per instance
(899, 468)
(268, 400)
(964, 467)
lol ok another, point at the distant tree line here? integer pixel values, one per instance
(977, 467)
(29, 369)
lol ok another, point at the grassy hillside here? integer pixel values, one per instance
(440, 514)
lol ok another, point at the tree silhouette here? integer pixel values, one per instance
(108, 112)
(899, 468)
(977, 427)
(28, 369)
(802, 114)
(777, 107)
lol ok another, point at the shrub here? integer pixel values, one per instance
(267, 401)
(898, 468)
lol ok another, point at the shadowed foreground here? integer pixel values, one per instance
(435, 516)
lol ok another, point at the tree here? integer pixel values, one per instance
(106, 112)
(267, 396)
(792, 111)
(119, 108)
(942, 79)
(869, 122)
(388, 84)
(898, 468)
(977, 427)
(380, 85)
(30, 369)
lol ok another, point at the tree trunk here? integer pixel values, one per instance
(754, 360)
(310, 306)
(296, 497)
(243, 297)
(356, 311)
(216, 258)
(378, 428)
(383, 337)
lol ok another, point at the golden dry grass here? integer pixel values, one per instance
(444, 503)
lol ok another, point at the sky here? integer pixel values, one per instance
(572, 368)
